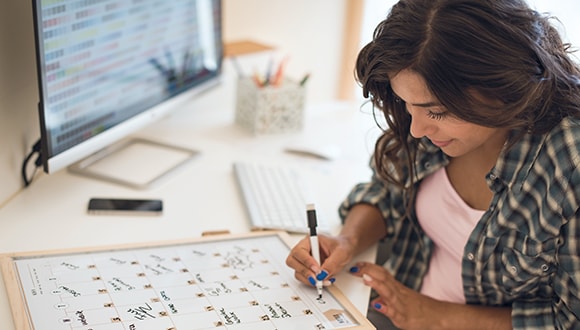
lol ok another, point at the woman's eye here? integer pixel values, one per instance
(437, 115)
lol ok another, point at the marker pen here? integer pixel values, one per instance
(314, 247)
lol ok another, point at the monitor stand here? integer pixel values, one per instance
(137, 163)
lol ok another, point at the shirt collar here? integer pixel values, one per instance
(515, 162)
(511, 169)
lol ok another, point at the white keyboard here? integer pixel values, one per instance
(275, 197)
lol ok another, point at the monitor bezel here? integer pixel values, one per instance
(54, 163)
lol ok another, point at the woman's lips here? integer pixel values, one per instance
(441, 144)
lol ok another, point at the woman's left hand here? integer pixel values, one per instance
(406, 308)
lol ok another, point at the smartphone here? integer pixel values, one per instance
(125, 206)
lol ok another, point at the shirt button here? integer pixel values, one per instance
(427, 165)
(470, 256)
(513, 270)
(545, 267)
(492, 176)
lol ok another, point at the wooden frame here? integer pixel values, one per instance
(70, 286)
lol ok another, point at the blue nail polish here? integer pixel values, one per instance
(354, 269)
(322, 275)
(332, 280)
(312, 280)
(378, 306)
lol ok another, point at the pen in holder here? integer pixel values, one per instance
(270, 109)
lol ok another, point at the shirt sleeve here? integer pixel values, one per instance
(566, 282)
(379, 194)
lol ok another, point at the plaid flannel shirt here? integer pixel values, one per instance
(525, 250)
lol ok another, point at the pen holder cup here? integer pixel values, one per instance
(270, 109)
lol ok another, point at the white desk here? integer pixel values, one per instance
(202, 196)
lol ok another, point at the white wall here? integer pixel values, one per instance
(566, 12)
(309, 31)
(18, 93)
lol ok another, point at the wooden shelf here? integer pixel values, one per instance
(243, 47)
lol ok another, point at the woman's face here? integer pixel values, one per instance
(429, 118)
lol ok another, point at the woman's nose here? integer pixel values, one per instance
(421, 124)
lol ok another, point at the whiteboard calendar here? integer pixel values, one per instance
(220, 283)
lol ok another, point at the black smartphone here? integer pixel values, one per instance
(125, 206)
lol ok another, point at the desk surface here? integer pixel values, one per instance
(202, 196)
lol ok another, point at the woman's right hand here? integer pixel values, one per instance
(362, 227)
(335, 254)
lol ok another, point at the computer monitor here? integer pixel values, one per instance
(107, 68)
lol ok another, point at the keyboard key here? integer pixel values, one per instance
(275, 196)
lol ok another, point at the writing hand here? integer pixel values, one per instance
(335, 253)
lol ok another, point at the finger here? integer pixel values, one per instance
(329, 282)
(300, 255)
(334, 258)
(309, 260)
(361, 267)
(302, 262)
(304, 276)
(379, 305)
(384, 289)
(355, 269)
(380, 280)
(394, 297)
(375, 271)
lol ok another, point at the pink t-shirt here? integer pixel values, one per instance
(448, 221)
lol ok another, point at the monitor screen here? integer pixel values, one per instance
(109, 67)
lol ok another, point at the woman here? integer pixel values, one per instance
(476, 179)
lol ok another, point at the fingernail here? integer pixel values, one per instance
(378, 306)
(322, 275)
(329, 282)
(367, 278)
(312, 280)
(353, 269)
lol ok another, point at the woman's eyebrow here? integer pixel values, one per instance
(427, 105)
(422, 105)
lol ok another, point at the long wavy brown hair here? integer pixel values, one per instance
(501, 49)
